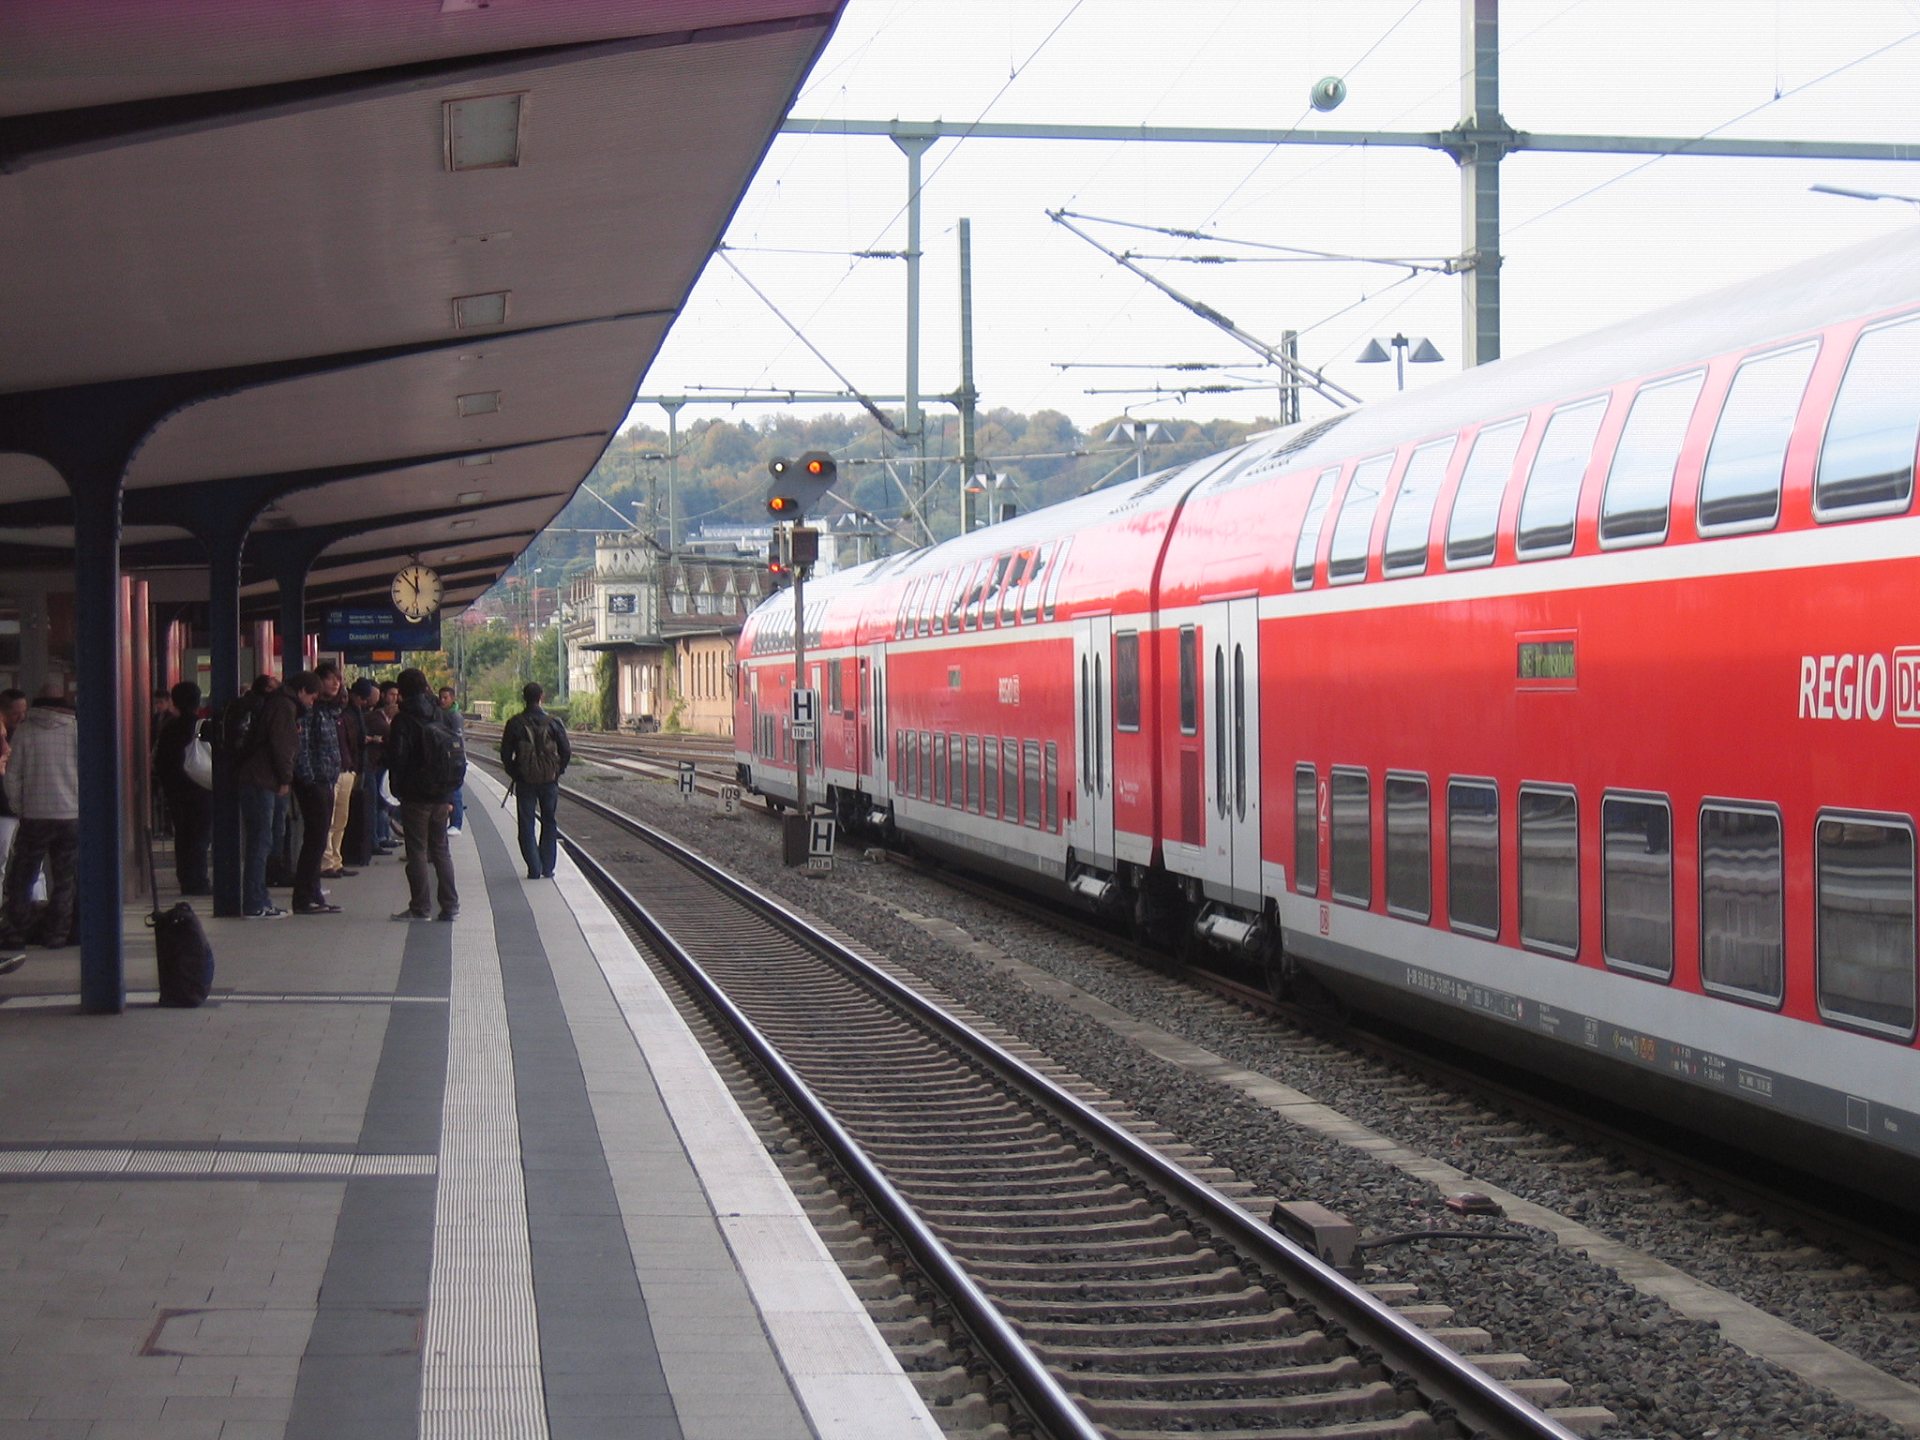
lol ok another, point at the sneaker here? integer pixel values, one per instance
(323, 908)
(341, 874)
(547, 876)
(409, 915)
(272, 912)
(448, 915)
(11, 963)
(535, 875)
(453, 829)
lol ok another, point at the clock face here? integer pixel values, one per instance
(416, 592)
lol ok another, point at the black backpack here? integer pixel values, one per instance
(443, 757)
(537, 757)
(183, 957)
(241, 727)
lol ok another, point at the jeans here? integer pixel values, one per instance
(257, 809)
(316, 823)
(424, 823)
(56, 845)
(459, 808)
(376, 807)
(540, 801)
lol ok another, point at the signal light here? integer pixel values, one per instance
(799, 484)
(777, 556)
(784, 506)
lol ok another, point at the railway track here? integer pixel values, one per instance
(1109, 1287)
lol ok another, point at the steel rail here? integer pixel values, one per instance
(1040, 1393)
(1480, 1403)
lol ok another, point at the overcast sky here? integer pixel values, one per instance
(1588, 239)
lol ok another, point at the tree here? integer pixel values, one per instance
(607, 681)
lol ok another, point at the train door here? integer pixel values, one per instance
(873, 723)
(1231, 661)
(1093, 692)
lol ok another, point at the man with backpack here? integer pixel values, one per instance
(426, 764)
(536, 754)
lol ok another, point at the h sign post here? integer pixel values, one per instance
(805, 704)
(820, 836)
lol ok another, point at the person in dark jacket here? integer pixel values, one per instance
(535, 751)
(265, 772)
(316, 770)
(425, 802)
(189, 805)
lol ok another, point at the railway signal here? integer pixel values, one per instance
(798, 486)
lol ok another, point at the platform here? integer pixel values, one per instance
(465, 1179)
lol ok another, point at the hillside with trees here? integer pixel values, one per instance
(721, 475)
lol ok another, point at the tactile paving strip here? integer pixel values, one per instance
(215, 1164)
(481, 1374)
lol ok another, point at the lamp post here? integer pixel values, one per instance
(1423, 354)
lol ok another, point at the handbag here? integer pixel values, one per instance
(196, 762)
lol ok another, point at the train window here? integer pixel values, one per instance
(1306, 830)
(1412, 518)
(1353, 531)
(939, 769)
(1010, 779)
(1742, 924)
(973, 773)
(926, 765)
(1220, 729)
(1086, 727)
(1099, 728)
(1633, 510)
(1010, 597)
(1740, 488)
(1240, 732)
(1352, 841)
(1476, 505)
(1409, 847)
(1863, 867)
(1030, 782)
(1054, 574)
(900, 764)
(1866, 460)
(1473, 856)
(1549, 869)
(1052, 791)
(960, 613)
(990, 776)
(922, 603)
(995, 588)
(1309, 544)
(835, 699)
(1552, 496)
(1189, 681)
(1126, 680)
(1037, 576)
(1636, 884)
(956, 771)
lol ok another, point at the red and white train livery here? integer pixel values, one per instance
(1571, 706)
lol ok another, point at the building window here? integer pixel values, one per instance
(1742, 913)
(1864, 870)
(1636, 884)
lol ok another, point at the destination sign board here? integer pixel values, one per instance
(376, 627)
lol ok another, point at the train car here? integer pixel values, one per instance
(1570, 707)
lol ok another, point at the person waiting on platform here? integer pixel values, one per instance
(450, 712)
(189, 805)
(43, 788)
(332, 705)
(316, 770)
(262, 734)
(13, 709)
(426, 764)
(536, 754)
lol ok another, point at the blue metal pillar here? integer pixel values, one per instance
(96, 643)
(224, 548)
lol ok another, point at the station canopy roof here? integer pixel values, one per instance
(426, 247)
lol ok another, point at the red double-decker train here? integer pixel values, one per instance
(1570, 707)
